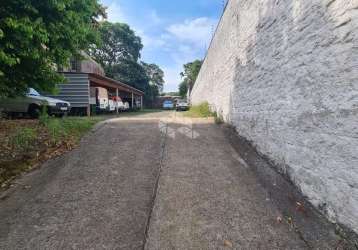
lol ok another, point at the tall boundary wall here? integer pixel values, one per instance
(284, 73)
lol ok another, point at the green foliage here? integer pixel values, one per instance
(23, 138)
(129, 72)
(44, 117)
(191, 72)
(155, 75)
(66, 128)
(156, 81)
(36, 35)
(201, 110)
(183, 89)
(119, 53)
(119, 43)
(189, 75)
(55, 129)
(170, 94)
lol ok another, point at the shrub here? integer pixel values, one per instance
(201, 110)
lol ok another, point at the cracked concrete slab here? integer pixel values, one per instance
(208, 199)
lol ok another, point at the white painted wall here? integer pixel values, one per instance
(285, 74)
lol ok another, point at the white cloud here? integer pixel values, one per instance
(151, 42)
(154, 17)
(197, 31)
(185, 42)
(172, 78)
(115, 13)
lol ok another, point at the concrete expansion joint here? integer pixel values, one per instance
(164, 135)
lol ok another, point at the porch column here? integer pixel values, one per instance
(88, 110)
(132, 100)
(117, 98)
(141, 102)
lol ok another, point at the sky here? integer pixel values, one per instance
(173, 32)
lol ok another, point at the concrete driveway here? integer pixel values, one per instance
(156, 181)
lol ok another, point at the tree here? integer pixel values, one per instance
(155, 75)
(156, 81)
(119, 54)
(129, 72)
(189, 75)
(36, 35)
(118, 43)
(183, 89)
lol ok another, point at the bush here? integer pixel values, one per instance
(201, 110)
(23, 138)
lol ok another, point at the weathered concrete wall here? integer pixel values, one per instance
(285, 74)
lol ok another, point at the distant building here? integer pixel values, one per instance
(83, 76)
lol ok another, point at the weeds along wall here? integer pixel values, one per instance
(285, 74)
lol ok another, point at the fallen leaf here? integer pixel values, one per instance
(227, 243)
(289, 220)
(299, 207)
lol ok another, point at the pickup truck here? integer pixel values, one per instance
(32, 104)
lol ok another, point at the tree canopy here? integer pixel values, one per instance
(118, 43)
(155, 75)
(119, 54)
(183, 88)
(189, 75)
(129, 72)
(156, 81)
(37, 35)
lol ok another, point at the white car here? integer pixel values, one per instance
(182, 105)
(119, 104)
(32, 104)
(126, 106)
(112, 105)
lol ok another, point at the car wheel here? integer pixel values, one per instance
(34, 111)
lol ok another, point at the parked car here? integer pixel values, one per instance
(120, 104)
(112, 105)
(182, 105)
(126, 106)
(102, 100)
(168, 104)
(32, 104)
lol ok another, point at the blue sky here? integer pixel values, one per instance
(173, 32)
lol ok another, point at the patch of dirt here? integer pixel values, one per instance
(17, 159)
